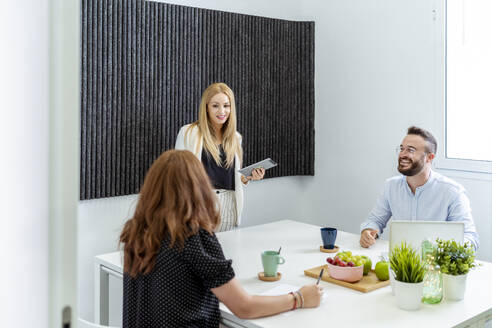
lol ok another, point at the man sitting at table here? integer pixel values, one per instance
(419, 193)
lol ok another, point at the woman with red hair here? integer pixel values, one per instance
(175, 272)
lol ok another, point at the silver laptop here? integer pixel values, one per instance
(414, 232)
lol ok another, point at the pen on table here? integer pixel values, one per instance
(320, 275)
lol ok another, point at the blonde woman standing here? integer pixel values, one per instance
(214, 140)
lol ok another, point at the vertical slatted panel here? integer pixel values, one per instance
(125, 94)
(111, 140)
(83, 98)
(93, 87)
(105, 109)
(145, 64)
(98, 105)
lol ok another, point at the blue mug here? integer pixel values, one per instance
(329, 235)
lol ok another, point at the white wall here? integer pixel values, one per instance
(100, 221)
(479, 188)
(24, 164)
(374, 78)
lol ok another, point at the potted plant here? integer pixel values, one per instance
(455, 260)
(409, 271)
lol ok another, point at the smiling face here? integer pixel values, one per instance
(413, 155)
(218, 110)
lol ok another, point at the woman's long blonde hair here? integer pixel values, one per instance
(176, 200)
(230, 140)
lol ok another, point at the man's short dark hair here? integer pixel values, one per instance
(431, 146)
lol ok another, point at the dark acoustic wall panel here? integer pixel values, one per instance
(145, 65)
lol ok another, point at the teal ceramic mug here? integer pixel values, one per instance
(270, 261)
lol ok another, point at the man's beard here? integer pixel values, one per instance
(415, 167)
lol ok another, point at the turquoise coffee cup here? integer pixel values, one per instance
(270, 261)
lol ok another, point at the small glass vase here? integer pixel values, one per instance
(432, 290)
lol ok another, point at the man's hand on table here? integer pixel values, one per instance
(368, 237)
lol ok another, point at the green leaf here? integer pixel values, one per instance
(455, 258)
(407, 264)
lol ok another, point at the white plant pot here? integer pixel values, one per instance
(392, 281)
(454, 286)
(408, 295)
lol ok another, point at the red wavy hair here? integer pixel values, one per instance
(176, 199)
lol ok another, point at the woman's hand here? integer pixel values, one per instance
(257, 174)
(246, 306)
(312, 295)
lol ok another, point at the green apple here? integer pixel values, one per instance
(382, 270)
(367, 264)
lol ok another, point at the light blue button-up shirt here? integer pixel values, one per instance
(439, 199)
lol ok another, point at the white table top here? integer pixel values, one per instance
(341, 306)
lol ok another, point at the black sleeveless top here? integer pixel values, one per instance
(221, 177)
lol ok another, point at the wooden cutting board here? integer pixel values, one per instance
(366, 284)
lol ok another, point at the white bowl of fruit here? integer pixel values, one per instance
(344, 266)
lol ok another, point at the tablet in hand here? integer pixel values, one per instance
(264, 164)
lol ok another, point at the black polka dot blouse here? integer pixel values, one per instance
(177, 292)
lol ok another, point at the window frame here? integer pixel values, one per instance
(440, 98)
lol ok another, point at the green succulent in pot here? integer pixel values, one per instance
(455, 258)
(407, 264)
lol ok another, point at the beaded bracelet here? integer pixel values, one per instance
(295, 301)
